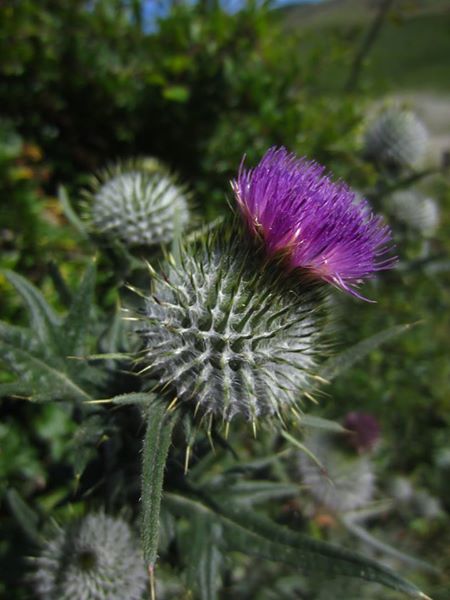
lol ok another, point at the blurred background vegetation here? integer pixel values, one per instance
(198, 85)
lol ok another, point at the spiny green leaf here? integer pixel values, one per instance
(41, 374)
(252, 492)
(40, 354)
(203, 557)
(319, 423)
(25, 516)
(71, 215)
(82, 448)
(345, 360)
(370, 540)
(252, 534)
(156, 447)
(142, 398)
(77, 323)
(43, 319)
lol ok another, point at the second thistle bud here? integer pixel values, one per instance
(396, 139)
(415, 212)
(344, 481)
(140, 203)
(95, 558)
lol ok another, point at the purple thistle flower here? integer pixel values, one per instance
(315, 223)
(364, 428)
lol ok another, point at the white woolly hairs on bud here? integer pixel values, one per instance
(94, 558)
(225, 333)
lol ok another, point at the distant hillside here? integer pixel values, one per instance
(352, 12)
(412, 51)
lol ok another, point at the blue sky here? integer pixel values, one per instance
(157, 8)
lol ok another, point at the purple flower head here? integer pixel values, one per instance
(317, 224)
(364, 428)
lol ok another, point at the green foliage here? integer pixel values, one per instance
(81, 87)
(249, 533)
(49, 356)
(198, 92)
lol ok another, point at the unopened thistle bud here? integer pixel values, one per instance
(414, 211)
(139, 203)
(230, 334)
(344, 481)
(95, 558)
(396, 139)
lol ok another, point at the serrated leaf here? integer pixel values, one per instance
(77, 324)
(247, 532)
(42, 375)
(69, 212)
(319, 423)
(370, 540)
(340, 363)
(43, 319)
(140, 398)
(39, 355)
(254, 492)
(203, 558)
(83, 447)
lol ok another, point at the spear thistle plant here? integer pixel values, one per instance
(236, 325)
(232, 331)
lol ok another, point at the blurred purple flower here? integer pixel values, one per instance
(315, 223)
(364, 428)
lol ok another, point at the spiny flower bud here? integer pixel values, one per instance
(415, 211)
(95, 558)
(316, 225)
(231, 334)
(346, 480)
(396, 139)
(140, 203)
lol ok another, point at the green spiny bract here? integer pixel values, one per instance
(231, 334)
(140, 203)
(396, 139)
(414, 211)
(95, 558)
(346, 481)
